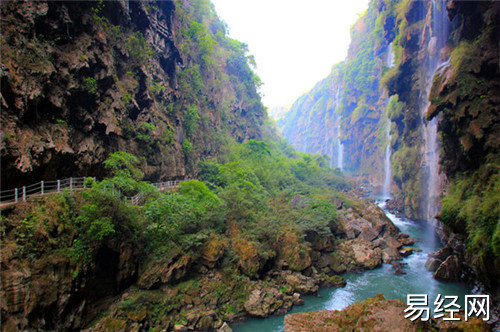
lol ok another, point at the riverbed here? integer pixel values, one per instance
(360, 286)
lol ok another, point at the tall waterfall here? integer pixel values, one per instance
(390, 56)
(337, 147)
(386, 189)
(340, 155)
(432, 179)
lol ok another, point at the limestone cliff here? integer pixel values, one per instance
(343, 116)
(430, 69)
(80, 80)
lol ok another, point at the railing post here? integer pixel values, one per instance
(71, 183)
(24, 193)
(15, 194)
(58, 186)
(84, 182)
(41, 186)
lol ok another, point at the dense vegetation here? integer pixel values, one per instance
(168, 95)
(249, 209)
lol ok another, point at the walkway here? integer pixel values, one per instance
(11, 197)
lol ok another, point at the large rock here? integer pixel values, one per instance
(450, 269)
(446, 262)
(296, 254)
(373, 314)
(264, 302)
(301, 283)
(356, 255)
(213, 250)
(172, 267)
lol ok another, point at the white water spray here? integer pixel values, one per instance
(386, 189)
(432, 179)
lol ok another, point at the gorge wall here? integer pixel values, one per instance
(80, 80)
(430, 68)
(343, 116)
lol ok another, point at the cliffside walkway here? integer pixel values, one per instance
(11, 197)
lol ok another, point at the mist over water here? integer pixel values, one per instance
(433, 182)
(339, 155)
(386, 189)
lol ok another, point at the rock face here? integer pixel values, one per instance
(264, 303)
(340, 107)
(49, 292)
(386, 80)
(364, 238)
(224, 278)
(373, 314)
(447, 262)
(370, 240)
(114, 76)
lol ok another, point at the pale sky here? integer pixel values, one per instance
(295, 43)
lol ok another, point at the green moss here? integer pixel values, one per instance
(471, 208)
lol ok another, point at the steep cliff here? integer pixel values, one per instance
(80, 80)
(310, 125)
(460, 99)
(127, 89)
(466, 98)
(343, 116)
(431, 69)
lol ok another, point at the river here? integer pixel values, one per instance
(360, 286)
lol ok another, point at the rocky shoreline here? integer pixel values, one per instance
(212, 298)
(225, 279)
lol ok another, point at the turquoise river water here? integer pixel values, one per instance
(360, 286)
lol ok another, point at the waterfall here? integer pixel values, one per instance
(339, 155)
(390, 56)
(386, 190)
(430, 166)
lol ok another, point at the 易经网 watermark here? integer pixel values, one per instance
(475, 305)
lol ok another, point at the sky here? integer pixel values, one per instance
(295, 43)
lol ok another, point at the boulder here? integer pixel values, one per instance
(296, 254)
(172, 267)
(301, 284)
(320, 242)
(442, 253)
(450, 269)
(334, 281)
(373, 314)
(264, 302)
(225, 328)
(213, 250)
(406, 251)
(432, 264)
(250, 262)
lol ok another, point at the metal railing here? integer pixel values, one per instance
(46, 187)
(41, 188)
(160, 186)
